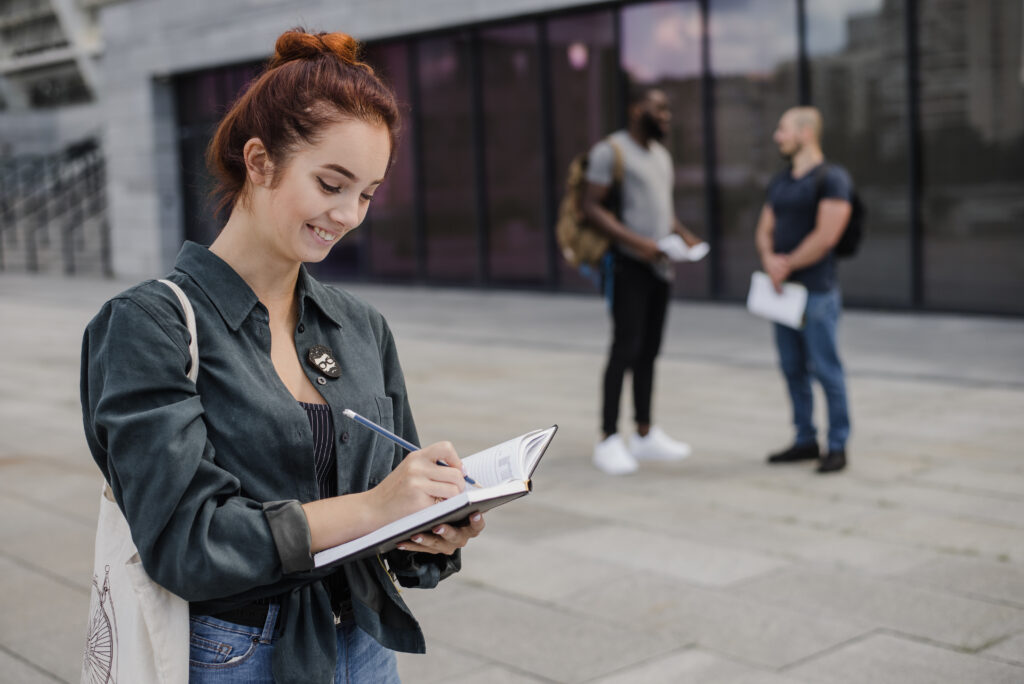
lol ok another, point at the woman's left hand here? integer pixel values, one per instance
(445, 538)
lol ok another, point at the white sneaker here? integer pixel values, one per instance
(612, 457)
(657, 446)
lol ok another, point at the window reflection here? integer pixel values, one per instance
(858, 67)
(390, 227)
(448, 177)
(753, 60)
(584, 97)
(661, 49)
(972, 120)
(513, 152)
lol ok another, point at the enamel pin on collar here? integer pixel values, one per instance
(322, 359)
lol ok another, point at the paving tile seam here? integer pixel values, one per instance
(47, 506)
(977, 652)
(28, 565)
(564, 347)
(834, 648)
(973, 596)
(653, 658)
(557, 606)
(880, 502)
(21, 659)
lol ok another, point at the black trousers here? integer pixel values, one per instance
(639, 307)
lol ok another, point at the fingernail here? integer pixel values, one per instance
(439, 530)
(475, 517)
(417, 539)
(400, 547)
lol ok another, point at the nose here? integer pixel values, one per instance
(345, 215)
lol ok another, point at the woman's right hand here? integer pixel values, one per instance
(419, 481)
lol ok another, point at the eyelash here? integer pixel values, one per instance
(335, 189)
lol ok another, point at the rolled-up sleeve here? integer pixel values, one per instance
(196, 535)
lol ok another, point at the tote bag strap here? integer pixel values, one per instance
(190, 321)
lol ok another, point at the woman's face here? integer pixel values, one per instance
(324, 190)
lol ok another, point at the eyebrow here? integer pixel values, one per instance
(348, 174)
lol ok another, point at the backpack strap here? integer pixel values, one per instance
(190, 321)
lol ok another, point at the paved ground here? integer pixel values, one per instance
(909, 567)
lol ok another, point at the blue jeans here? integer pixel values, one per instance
(225, 653)
(812, 351)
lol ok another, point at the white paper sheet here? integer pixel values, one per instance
(786, 308)
(676, 249)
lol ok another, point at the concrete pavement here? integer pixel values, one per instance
(908, 567)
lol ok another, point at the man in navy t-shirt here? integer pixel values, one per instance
(807, 209)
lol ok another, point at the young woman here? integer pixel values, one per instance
(231, 484)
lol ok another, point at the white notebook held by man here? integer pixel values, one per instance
(786, 307)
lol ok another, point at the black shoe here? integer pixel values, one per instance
(797, 452)
(832, 462)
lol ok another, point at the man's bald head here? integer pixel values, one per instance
(804, 118)
(799, 128)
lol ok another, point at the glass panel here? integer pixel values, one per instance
(583, 98)
(661, 49)
(858, 81)
(753, 59)
(518, 245)
(390, 227)
(448, 176)
(201, 100)
(972, 119)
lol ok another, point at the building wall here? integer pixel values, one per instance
(146, 41)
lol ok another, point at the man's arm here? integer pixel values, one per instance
(597, 214)
(689, 238)
(833, 215)
(775, 265)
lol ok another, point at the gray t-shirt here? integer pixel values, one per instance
(647, 207)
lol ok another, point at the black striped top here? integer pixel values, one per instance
(324, 455)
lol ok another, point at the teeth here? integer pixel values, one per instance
(324, 235)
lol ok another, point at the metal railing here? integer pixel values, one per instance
(53, 212)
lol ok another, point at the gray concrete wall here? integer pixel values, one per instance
(47, 131)
(147, 41)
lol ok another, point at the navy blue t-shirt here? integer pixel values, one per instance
(794, 201)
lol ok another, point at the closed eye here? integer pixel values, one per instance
(366, 197)
(328, 188)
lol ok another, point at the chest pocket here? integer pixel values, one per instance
(381, 449)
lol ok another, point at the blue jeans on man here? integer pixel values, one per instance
(812, 352)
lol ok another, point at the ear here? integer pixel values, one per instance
(258, 166)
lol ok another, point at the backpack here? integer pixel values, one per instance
(583, 245)
(853, 234)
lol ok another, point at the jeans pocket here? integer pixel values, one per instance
(218, 644)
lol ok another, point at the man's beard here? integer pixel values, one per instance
(652, 128)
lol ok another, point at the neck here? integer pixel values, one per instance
(637, 133)
(806, 159)
(270, 276)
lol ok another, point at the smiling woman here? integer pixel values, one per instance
(298, 159)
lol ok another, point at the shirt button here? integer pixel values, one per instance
(344, 437)
(321, 380)
(302, 328)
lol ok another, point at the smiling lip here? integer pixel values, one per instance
(322, 234)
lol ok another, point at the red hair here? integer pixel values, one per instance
(313, 80)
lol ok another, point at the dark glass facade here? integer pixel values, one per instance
(923, 103)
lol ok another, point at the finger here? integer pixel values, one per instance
(428, 543)
(476, 523)
(445, 452)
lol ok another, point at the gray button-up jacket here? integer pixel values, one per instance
(211, 476)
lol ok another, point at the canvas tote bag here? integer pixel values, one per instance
(138, 632)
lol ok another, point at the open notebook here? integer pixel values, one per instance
(503, 472)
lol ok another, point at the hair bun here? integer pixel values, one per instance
(297, 44)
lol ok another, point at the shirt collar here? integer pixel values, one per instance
(230, 294)
(233, 297)
(312, 289)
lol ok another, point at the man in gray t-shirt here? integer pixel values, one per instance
(641, 274)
